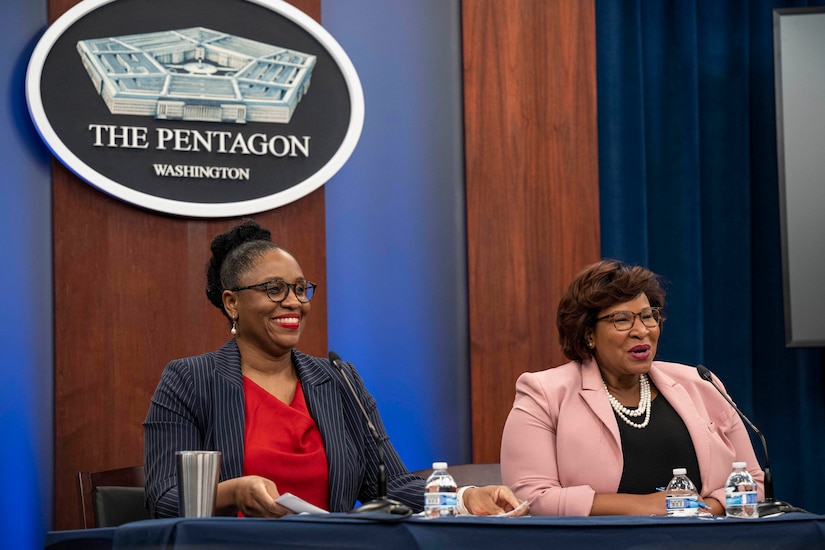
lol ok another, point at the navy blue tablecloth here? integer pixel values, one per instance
(368, 531)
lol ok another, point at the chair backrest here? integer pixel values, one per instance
(112, 497)
(470, 474)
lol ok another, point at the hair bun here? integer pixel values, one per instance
(221, 246)
(249, 230)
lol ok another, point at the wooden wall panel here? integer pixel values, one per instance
(532, 188)
(129, 296)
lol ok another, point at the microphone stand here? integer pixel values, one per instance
(769, 506)
(382, 503)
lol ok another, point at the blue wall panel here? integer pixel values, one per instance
(26, 373)
(396, 244)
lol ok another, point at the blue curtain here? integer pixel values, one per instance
(689, 188)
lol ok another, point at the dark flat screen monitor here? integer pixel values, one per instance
(799, 62)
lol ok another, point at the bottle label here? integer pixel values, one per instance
(682, 505)
(440, 504)
(440, 500)
(745, 498)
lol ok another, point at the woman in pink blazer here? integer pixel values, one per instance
(600, 434)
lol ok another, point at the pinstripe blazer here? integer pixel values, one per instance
(199, 405)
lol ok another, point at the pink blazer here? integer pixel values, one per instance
(561, 443)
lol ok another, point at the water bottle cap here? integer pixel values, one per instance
(740, 464)
(439, 465)
(679, 471)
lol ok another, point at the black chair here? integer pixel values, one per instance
(470, 474)
(112, 497)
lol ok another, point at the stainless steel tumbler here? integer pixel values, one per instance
(198, 474)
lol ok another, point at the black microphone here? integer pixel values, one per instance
(769, 505)
(382, 503)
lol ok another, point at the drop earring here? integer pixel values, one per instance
(233, 330)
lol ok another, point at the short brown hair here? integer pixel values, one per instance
(599, 286)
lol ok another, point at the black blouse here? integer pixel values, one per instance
(651, 454)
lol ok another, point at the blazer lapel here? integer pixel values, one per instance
(593, 394)
(695, 421)
(229, 421)
(324, 402)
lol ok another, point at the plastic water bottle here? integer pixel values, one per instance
(440, 493)
(740, 493)
(681, 495)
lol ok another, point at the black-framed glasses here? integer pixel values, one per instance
(278, 290)
(623, 320)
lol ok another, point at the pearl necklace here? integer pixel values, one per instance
(643, 408)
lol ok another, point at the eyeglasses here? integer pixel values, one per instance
(623, 320)
(278, 290)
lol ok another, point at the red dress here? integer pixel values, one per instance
(282, 443)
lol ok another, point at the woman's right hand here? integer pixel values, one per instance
(253, 496)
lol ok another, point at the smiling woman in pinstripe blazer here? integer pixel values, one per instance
(283, 420)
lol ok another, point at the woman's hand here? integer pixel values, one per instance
(253, 496)
(653, 504)
(492, 500)
(714, 506)
(623, 504)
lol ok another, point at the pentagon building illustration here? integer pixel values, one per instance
(197, 74)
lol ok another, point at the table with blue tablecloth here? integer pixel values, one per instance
(366, 531)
